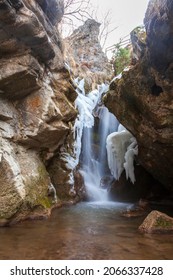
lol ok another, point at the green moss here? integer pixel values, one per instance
(42, 172)
(44, 201)
(161, 222)
(37, 188)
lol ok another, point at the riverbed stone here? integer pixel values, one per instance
(157, 222)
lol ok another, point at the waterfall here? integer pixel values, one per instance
(96, 124)
(103, 148)
(107, 124)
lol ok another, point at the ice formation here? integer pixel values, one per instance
(121, 145)
(121, 149)
(85, 104)
(93, 159)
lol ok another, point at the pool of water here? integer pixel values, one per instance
(85, 231)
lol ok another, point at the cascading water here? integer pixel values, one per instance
(103, 147)
(94, 155)
(107, 124)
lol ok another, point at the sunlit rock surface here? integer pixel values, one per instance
(85, 55)
(36, 105)
(142, 99)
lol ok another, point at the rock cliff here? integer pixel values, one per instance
(86, 59)
(84, 54)
(142, 99)
(36, 105)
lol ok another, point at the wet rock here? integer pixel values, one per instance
(157, 222)
(141, 208)
(106, 181)
(142, 99)
(69, 184)
(38, 213)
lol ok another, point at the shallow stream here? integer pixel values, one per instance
(84, 231)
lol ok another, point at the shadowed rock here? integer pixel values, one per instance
(142, 99)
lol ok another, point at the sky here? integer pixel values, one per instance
(125, 14)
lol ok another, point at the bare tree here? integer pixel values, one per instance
(78, 11)
(75, 13)
(106, 28)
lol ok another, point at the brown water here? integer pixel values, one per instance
(85, 231)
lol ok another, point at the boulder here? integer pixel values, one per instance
(24, 182)
(157, 222)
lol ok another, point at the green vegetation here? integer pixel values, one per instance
(163, 223)
(121, 58)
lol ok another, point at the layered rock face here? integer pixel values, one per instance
(36, 105)
(142, 99)
(85, 56)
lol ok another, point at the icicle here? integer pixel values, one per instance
(132, 150)
(121, 149)
(52, 190)
(85, 105)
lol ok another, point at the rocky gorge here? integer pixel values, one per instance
(38, 112)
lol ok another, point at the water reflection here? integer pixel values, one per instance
(85, 231)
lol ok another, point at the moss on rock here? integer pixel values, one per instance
(157, 222)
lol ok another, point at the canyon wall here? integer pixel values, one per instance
(142, 99)
(37, 105)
